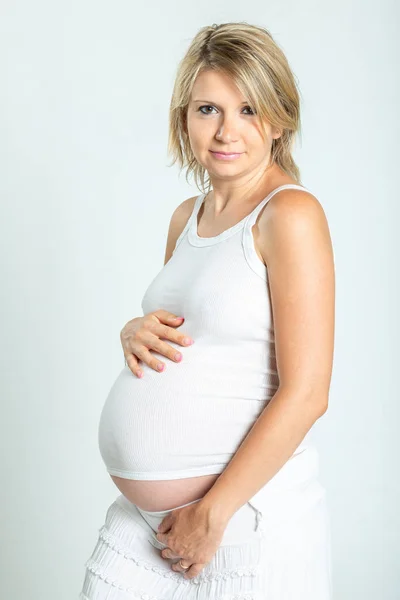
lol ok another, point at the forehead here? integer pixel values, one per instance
(212, 84)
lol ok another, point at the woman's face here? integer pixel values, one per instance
(219, 119)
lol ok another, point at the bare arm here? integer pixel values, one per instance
(297, 249)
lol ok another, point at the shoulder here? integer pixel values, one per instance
(291, 218)
(294, 204)
(292, 214)
(178, 221)
(182, 213)
(180, 217)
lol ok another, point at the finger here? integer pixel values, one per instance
(147, 357)
(178, 568)
(162, 537)
(165, 349)
(167, 317)
(165, 332)
(165, 524)
(149, 341)
(194, 570)
(168, 553)
(133, 364)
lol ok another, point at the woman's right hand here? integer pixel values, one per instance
(142, 334)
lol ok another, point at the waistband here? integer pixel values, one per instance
(154, 517)
(243, 525)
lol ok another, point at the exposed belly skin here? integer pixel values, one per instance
(166, 494)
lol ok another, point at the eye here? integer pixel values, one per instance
(253, 113)
(210, 106)
(205, 106)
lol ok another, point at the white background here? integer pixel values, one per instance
(86, 198)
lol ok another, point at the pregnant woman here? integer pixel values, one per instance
(207, 430)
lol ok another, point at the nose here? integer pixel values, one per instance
(227, 132)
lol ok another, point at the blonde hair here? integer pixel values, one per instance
(260, 70)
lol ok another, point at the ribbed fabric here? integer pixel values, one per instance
(190, 419)
(289, 560)
(126, 562)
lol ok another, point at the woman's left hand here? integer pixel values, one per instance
(192, 533)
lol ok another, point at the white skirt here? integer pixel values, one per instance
(277, 546)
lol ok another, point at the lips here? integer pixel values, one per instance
(226, 156)
(226, 153)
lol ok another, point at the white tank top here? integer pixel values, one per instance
(190, 419)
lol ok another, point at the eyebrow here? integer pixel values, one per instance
(214, 104)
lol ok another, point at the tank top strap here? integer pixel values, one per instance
(252, 258)
(252, 217)
(196, 207)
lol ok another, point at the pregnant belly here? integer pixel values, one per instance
(166, 494)
(166, 438)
